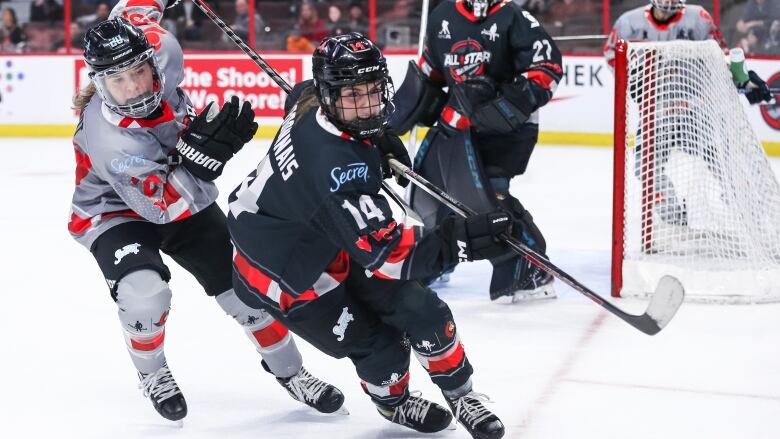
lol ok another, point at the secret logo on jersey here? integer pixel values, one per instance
(353, 171)
(491, 33)
(466, 58)
(444, 33)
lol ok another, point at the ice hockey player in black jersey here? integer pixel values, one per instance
(317, 247)
(500, 66)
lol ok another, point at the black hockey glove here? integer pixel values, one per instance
(476, 237)
(210, 141)
(390, 146)
(494, 109)
(758, 93)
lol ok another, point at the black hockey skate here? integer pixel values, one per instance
(522, 281)
(166, 397)
(310, 390)
(418, 414)
(480, 422)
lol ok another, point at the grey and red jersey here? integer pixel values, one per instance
(691, 23)
(122, 164)
(509, 42)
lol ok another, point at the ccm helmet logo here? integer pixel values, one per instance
(368, 69)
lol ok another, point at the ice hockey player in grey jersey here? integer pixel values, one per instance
(662, 20)
(144, 166)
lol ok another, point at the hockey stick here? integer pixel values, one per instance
(411, 215)
(664, 303)
(411, 145)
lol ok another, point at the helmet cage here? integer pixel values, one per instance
(379, 104)
(666, 8)
(139, 106)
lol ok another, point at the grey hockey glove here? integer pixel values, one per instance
(209, 141)
(390, 146)
(476, 237)
(758, 93)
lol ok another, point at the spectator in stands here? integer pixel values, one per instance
(357, 21)
(310, 25)
(11, 35)
(562, 12)
(101, 14)
(772, 45)
(400, 11)
(535, 7)
(755, 22)
(335, 24)
(241, 22)
(297, 43)
(45, 10)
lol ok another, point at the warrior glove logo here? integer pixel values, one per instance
(126, 250)
(196, 156)
(341, 327)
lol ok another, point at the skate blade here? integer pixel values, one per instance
(179, 423)
(545, 292)
(341, 411)
(453, 426)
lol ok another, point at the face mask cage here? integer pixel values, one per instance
(368, 105)
(668, 7)
(138, 106)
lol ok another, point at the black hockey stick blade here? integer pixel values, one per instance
(663, 305)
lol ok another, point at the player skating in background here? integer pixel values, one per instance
(501, 67)
(317, 246)
(136, 195)
(679, 124)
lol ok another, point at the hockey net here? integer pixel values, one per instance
(695, 195)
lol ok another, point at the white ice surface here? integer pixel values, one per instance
(559, 369)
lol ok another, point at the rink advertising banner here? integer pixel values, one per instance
(35, 94)
(217, 79)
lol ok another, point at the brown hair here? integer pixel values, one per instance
(83, 97)
(306, 101)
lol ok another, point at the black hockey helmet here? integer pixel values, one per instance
(114, 47)
(670, 7)
(351, 60)
(480, 8)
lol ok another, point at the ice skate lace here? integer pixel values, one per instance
(305, 387)
(160, 385)
(415, 408)
(469, 409)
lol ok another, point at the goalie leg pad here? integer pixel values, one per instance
(418, 100)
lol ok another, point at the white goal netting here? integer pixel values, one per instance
(701, 201)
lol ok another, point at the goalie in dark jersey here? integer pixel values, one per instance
(500, 67)
(317, 247)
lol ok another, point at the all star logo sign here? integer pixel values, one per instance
(466, 58)
(771, 112)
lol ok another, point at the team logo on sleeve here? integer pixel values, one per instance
(491, 33)
(444, 33)
(466, 58)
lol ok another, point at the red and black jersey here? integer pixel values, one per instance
(312, 211)
(509, 42)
